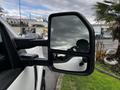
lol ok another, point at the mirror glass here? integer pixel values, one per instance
(70, 63)
(69, 33)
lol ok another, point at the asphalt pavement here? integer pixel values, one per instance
(50, 76)
(51, 79)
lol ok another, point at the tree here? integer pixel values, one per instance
(109, 12)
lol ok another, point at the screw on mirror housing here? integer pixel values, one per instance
(64, 30)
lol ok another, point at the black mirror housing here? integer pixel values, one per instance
(90, 55)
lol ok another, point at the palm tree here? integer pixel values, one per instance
(109, 12)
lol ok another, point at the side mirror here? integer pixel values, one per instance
(72, 43)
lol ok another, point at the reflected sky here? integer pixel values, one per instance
(66, 31)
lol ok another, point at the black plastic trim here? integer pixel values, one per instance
(10, 47)
(22, 43)
(7, 77)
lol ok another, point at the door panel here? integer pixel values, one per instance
(7, 77)
(20, 79)
(25, 81)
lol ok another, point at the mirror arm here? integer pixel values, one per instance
(22, 43)
(36, 61)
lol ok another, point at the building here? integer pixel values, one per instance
(102, 30)
(17, 26)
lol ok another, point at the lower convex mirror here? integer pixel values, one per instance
(72, 43)
(69, 63)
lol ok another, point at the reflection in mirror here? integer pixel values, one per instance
(71, 63)
(69, 33)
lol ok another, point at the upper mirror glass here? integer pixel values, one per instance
(69, 33)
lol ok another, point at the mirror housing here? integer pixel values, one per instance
(52, 52)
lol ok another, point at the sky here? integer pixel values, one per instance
(44, 8)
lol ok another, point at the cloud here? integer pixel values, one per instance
(46, 7)
(83, 6)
